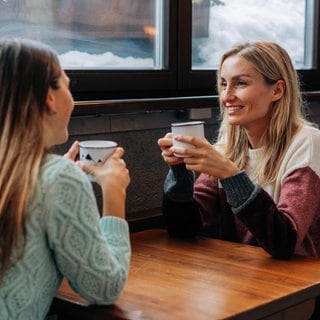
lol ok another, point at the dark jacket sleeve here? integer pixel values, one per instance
(182, 219)
(180, 211)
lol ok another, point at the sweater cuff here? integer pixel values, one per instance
(178, 185)
(111, 225)
(240, 190)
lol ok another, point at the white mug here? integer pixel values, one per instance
(190, 128)
(96, 152)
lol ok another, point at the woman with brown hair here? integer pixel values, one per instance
(50, 226)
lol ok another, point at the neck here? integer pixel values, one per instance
(256, 137)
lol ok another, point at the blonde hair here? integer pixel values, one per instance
(274, 64)
(27, 70)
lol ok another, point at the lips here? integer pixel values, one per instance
(234, 108)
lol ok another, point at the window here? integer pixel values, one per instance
(125, 49)
(108, 47)
(294, 24)
(96, 34)
(230, 21)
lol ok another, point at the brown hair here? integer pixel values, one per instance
(27, 70)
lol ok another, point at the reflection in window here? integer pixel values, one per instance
(95, 34)
(288, 23)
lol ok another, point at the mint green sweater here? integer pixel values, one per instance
(65, 238)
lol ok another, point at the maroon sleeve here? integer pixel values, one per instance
(292, 225)
(206, 195)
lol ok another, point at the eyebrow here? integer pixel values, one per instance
(239, 76)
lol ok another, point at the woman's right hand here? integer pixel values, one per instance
(73, 152)
(113, 177)
(165, 145)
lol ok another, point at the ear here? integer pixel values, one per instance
(50, 102)
(278, 90)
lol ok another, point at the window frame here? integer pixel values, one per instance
(204, 80)
(113, 84)
(178, 80)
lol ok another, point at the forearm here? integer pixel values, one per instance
(272, 228)
(180, 211)
(114, 202)
(109, 263)
(178, 184)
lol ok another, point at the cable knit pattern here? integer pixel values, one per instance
(66, 238)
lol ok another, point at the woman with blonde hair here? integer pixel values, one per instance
(257, 183)
(50, 226)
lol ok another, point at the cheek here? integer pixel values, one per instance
(257, 100)
(69, 103)
(261, 109)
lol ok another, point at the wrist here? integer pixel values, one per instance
(229, 170)
(114, 202)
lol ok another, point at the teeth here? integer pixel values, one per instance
(234, 108)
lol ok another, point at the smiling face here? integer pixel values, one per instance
(246, 96)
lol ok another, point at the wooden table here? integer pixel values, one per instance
(201, 279)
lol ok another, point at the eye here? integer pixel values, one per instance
(223, 84)
(241, 83)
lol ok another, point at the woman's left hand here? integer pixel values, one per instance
(73, 152)
(205, 158)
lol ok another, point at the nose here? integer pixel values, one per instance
(228, 94)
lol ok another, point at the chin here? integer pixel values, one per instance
(234, 122)
(61, 140)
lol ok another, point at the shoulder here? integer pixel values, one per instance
(309, 134)
(307, 140)
(304, 150)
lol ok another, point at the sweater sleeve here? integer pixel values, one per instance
(178, 184)
(180, 211)
(92, 253)
(240, 190)
(289, 222)
(289, 226)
